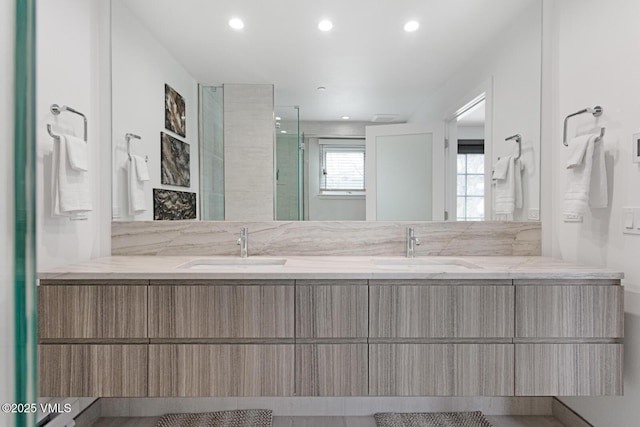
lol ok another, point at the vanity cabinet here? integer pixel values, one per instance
(192, 370)
(415, 309)
(331, 337)
(441, 369)
(98, 311)
(441, 338)
(286, 337)
(92, 338)
(568, 339)
(221, 309)
(88, 370)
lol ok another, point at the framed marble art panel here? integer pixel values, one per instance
(175, 161)
(173, 205)
(175, 118)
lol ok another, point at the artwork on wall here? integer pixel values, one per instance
(173, 205)
(175, 117)
(175, 161)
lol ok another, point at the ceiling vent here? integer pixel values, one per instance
(385, 118)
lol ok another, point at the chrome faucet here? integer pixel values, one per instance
(243, 241)
(412, 242)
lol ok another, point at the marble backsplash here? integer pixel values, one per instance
(288, 238)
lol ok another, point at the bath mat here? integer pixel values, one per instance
(432, 419)
(239, 418)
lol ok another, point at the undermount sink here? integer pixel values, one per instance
(424, 264)
(213, 263)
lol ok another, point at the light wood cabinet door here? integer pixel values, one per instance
(569, 369)
(331, 309)
(448, 311)
(96, 312)
(580, 311)
(331, 370)
(441, 369)
(192, 370)
(259, 311)
(92, 370)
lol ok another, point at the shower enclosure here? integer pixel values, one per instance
(289, 164)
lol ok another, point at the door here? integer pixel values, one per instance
(405, 172)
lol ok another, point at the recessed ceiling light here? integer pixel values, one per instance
(236, 23)
(321, 88)
(278, 118)
(411, 26)
(283, 131)
(345, 117)
(325, 25)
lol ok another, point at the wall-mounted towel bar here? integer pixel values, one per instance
(128, 137)
(57, 109)
(596, 111)
(518, 139)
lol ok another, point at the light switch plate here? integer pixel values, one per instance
(631, 221)
(635, 148)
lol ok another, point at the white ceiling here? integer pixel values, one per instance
(368, 63)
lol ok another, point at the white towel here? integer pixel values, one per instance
(138, 173)
(587, 178)
(142, 171)
(501, 168)
(77, 153)
(507, 175)
(71, 187)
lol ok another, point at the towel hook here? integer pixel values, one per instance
(128, 137)
(57, 109)
(596, 111)
(518, 139)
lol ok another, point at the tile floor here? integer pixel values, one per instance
(497, 421)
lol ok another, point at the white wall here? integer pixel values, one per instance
(141, 67)
(7, 40)
(511, 64)
(586, 71)
(71, 70)
(470, 132)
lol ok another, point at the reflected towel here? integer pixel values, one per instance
(70, 181)
(138, 173)
(587, 177)
(507, 175)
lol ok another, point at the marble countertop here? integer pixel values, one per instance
(327, 267)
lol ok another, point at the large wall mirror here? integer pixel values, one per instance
(269, 117)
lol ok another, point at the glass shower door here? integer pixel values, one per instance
(289, 163)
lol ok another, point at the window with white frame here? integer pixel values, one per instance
(342, 168)
(470, 188)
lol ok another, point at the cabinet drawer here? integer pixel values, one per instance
(92, 370)
(92, 312)
(331, 370)
(441, 311)
(326, 310)
(441, 369)
(569, 369)
(237, 311)
(191, 370)
(569, 311)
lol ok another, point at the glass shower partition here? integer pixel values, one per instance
(212, 153)
(289, 164)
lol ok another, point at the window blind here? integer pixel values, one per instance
(342, 168)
